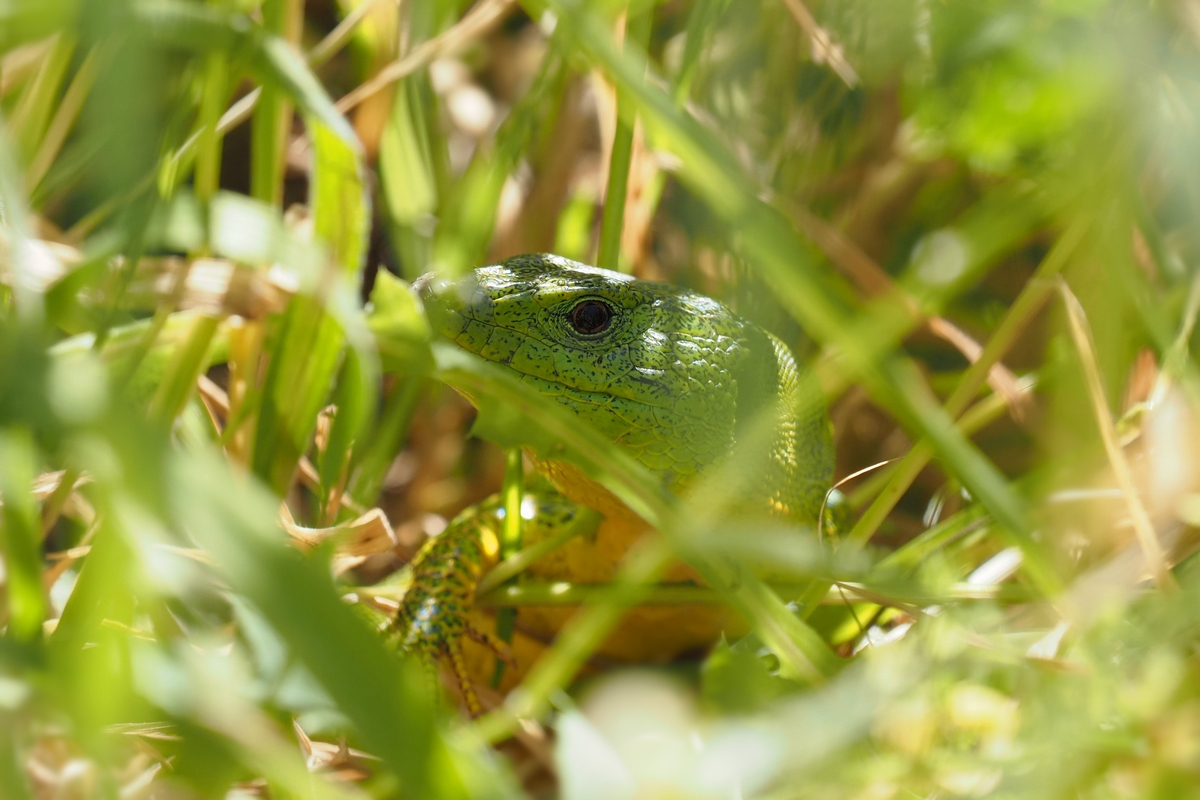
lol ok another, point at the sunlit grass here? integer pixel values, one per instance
(976, 221)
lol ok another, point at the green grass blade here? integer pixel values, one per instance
(13, 217)
(383, 696)
(26, 21)
(353, 397)
(33, 111)
(179, 379)
(60, 126)
(700, 22)
(374, 454)
(638, 28)
(21, 537)
(272, 120)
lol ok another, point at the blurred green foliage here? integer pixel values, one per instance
(913, 194)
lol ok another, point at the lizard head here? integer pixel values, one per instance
(651, 366)
(671, 375)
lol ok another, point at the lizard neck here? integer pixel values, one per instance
(799, 468)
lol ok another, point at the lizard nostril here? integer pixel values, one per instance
(591, 316)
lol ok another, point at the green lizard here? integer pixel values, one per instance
(670, 375)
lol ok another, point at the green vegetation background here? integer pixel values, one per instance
(976, 219)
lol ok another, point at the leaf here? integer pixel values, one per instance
(382, 695)
(398, 323)
(735, 680)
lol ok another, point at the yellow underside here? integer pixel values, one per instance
(646, 634)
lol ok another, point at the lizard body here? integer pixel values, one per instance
(670, 375)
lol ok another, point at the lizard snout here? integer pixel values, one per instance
(421, 285)
(451, 306)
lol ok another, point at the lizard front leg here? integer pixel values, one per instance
(434, 615)
(439, 606)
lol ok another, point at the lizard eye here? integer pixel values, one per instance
(591, 316)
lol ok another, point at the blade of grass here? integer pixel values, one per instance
(511, 492)
(340, 35)
(104, 591)
(208, 147)
(1166, 341)
(26, 295)
(14, 780)
(21, 537)
(354, 407)
(376, 453)
(383, 696)
(179, 380)
(572, 594)
(513, 565)
(188, 363)
(452, 39)
(896, 478)
(920, 548)
(638, 27)
(270, 59)
(65, 172)
(1147, 537)
(1033, 296)
(824, 51)
(888, 594)
(873, 281)
(899, 477)
(273, 116)
(511, 538)
(65, 115)
(705, 14)
(34, 109)
(408, 169)
(577, 641)
(302, 362)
